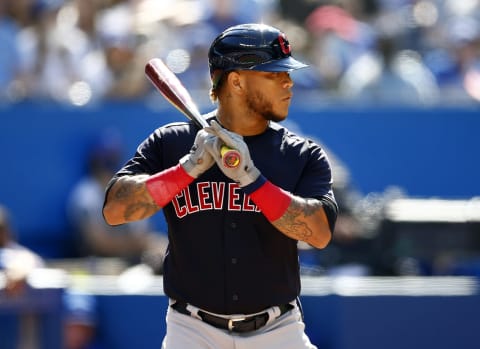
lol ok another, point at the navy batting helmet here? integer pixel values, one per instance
(252, 47)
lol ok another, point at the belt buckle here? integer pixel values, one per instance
(231, 323)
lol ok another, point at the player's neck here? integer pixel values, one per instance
(241, 122)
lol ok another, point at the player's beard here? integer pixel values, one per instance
(258, 104)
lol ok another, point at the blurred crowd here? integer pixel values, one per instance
(421, 52)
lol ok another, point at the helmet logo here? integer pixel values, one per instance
(284, 44)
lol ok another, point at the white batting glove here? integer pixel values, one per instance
(246, 172)
(198, 160)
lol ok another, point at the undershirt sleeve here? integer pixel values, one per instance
(331, 211)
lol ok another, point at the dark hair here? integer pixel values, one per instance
(218, 80)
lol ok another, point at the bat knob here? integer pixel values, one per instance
(231, 157)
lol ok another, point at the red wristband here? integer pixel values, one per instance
(163, 186)
(272, 200)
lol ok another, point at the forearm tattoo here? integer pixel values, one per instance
(138, 204)
(294, 223)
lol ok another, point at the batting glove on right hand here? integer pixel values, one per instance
(198, 160)
(245, 172)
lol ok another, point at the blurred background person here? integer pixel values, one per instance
(452, 53)
(49, 53)
(17, 331)
(339, 40)
(119, 72)
(389, 76)
(75, 52)
(132, 243)
(16, 260)
(80, 324)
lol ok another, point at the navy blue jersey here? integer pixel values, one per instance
(224, 256)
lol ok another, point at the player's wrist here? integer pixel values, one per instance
(272, 200)
(163, 186)
(190, 167)
(250, 176)
(254, 185)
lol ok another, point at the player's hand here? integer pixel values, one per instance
(198, 160)
(246, 172)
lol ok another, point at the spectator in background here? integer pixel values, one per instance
(459, 75)
(339, 41)
(16, 260)
(296, 11)
(75, 52)
(47, 54)
(134, 243)
(80, 321)
(124, 58)
(391, 77)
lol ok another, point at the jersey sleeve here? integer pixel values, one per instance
(160, 150)
(316, 181)
(148, 157)
(146, 160)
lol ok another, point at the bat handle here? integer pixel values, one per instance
(230, 157)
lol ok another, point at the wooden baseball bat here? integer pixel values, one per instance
(168, 84)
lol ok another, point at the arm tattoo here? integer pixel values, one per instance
(293, 223)
(138, 204)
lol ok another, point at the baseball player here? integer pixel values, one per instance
(231, 271)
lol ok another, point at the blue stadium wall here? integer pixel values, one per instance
(426, 152)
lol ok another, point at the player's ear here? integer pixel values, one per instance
(235, 81)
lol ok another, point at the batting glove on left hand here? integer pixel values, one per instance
(198, 160)
(245, 172)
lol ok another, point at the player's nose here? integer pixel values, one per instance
(287, 81)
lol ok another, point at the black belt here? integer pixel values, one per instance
(241, 325)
